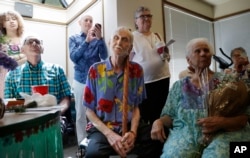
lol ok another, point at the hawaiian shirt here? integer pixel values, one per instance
(104, 92)
(23, 77)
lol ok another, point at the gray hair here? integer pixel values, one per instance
(125, 29)
(30, 35)
(138, 11)
(191, 43)
(240, 49)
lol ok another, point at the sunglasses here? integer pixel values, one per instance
(147, 16)
(31, 41)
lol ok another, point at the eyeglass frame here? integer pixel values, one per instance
(148, 16)
(30, 41)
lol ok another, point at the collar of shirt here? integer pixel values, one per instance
(37, 67)
(83, 34)
(109, 65)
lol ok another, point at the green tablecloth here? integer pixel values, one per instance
(31, 136)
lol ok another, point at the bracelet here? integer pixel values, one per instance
(133, 133)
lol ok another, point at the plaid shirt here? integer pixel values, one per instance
(23, 77)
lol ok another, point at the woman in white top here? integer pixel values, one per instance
(156, 70)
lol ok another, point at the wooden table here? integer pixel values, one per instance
(32, 134)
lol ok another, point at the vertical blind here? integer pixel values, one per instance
(183, 27)
(233, 32)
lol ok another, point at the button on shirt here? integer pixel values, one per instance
(104, 92)
(23, 77)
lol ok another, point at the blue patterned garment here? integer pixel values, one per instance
(23, 77)
(185, 106)
(104, 92)
(84, 54)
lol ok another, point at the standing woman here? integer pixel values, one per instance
(12, 28)
(156, 70)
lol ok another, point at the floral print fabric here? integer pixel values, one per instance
(185, 106)
(13, 49)
(104, 92)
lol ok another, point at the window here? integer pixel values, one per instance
(183, 27)
(233, 32)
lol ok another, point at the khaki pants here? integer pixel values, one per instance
(81, 120)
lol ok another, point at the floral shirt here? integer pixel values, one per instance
(13, 49)
(185, 105)
(104, 92)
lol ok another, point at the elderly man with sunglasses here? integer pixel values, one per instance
(37, 72)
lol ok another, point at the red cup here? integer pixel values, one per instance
(42, 89)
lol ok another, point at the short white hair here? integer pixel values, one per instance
(125, 29)
(191, 43)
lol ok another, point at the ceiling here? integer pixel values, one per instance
(54, 3)
(215, 2)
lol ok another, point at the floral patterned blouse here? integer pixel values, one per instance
(12, 50)
(104, 92)
(185, 105)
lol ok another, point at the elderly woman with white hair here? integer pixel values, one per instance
(194, 132)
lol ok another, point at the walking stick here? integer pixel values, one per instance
(125, 98)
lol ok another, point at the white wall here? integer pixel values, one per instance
(232, 6)
(54, 40)
(110, 17)
(196, 6)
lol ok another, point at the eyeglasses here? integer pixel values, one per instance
(31, 41)
(147, 16)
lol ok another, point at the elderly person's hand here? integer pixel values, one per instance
(157, 131)
(210, 124)
(90, 34)
(115, 140)
(128, 140)
(94, 33)
(98, 31)
(19, 58)
(214, 123)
